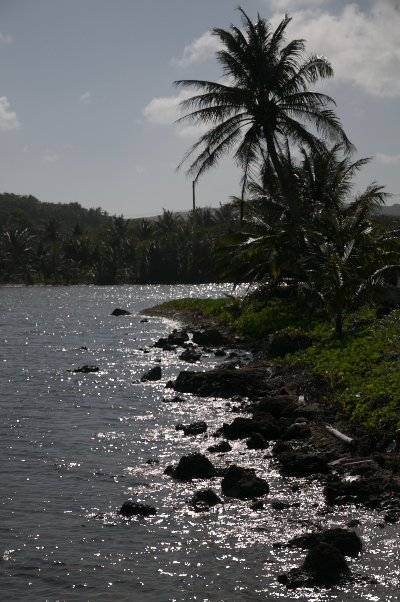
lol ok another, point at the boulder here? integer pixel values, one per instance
(193, 466)
(347, 542)
(224, 381)
(152, 374)
(326, 564)
(221, 447)
(120, 312)
(243, 483)
(86, 369)
(370, 490)
(189, 355)
(131, 508)
(204, 499)
(301, 464)
(298, 430)
(257, 441)
(210, 338)
(279, 406)
(241, 427)
(195, 428)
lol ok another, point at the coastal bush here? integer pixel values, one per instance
(361, 365)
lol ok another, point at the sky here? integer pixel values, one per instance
(88, 106)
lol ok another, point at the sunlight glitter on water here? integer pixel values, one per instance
(76, 446)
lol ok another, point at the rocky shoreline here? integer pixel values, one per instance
(288, 413)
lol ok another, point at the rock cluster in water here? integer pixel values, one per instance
(286, 411)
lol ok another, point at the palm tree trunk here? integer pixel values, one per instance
(286, 188)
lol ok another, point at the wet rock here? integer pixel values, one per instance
(347, 542)
(371, 490)
(86, 369)
(210, 338)
(241, 427)
(175, 399)
(279, 406)
(204, 499)
(193, 466)
(120, 312)
(144, 321)
(152, 374)
(324, 566)
(220, 353)
(279, 505)
(152, 461)
(298, 430)
(224, 381)
(301, 464)
(221, 447)
(163, 343)
(257, 441)
(195, 428)
(131, 508)
(189, 355)
(243, 483)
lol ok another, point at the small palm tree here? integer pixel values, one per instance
(264, 103)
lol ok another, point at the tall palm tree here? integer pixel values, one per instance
(264, 102)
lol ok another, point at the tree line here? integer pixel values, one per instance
(66, 244)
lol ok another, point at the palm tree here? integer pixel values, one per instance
(264, 103)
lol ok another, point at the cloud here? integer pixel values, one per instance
(140, 169)
(5, 39)
(86, 98)
(362, 45)
(291, 5)
(388, 159)
(50, 158)
(8, 119)
(198, 51)
(165, 111)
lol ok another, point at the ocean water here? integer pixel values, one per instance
(75, 446)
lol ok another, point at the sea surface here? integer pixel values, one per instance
(75, 446)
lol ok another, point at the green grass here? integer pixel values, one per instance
(361, 365)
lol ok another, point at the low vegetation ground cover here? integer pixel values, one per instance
(361, 365)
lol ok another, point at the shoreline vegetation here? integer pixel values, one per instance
(324, 405)
(360, 366)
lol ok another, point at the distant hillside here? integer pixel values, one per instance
(391, 210)
(29, 211)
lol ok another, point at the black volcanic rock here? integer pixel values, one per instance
(193, 466)
(152, 374)
(131, 508)
(120, 312)
(243, 483)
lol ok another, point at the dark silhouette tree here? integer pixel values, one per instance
(264, 103)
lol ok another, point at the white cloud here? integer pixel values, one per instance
(291, 5)
(388, 159)
(362, 45)
(165, 111)
(198, 51)
(5, 39)
(140, 169)
(8, 119)
(50, 158)
(86, 98)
